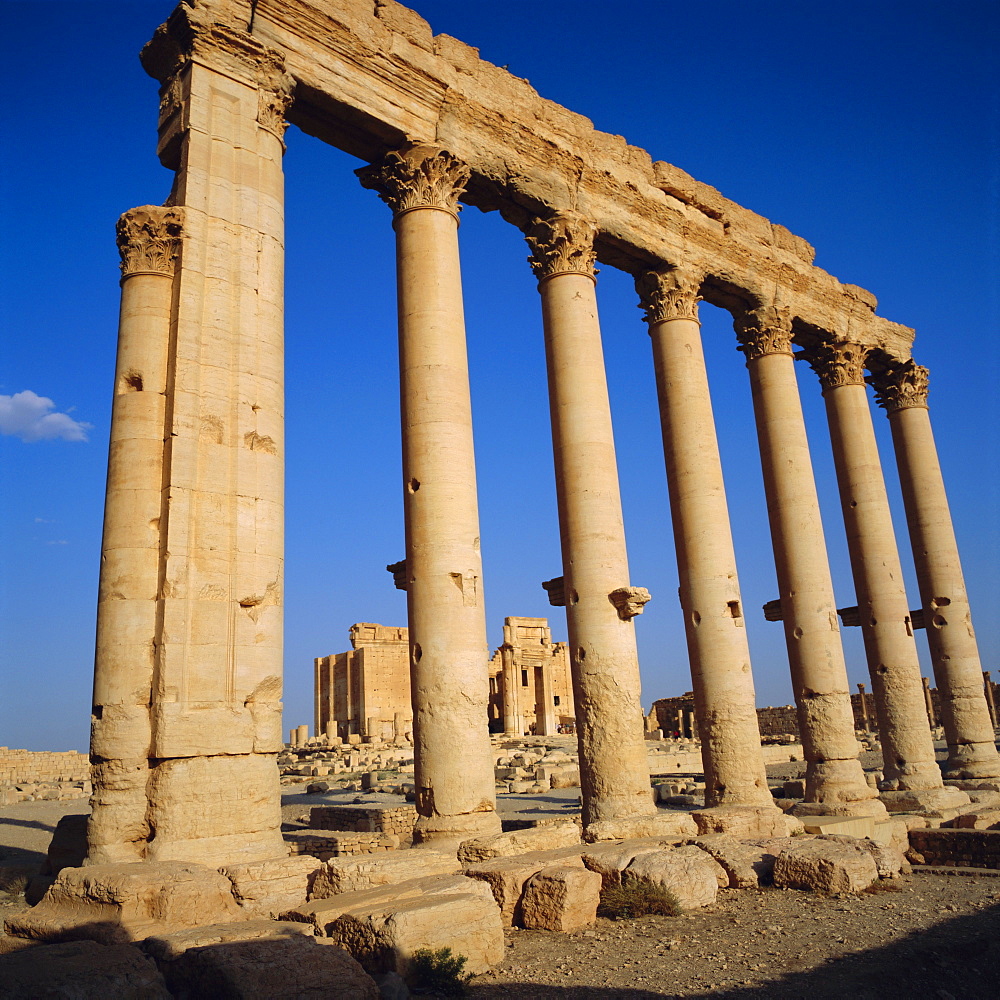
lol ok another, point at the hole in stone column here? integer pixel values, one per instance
(734, 609)
(417, 652)
(797, 632)
(574, 597)
(939, 621)
(940, 602)
(900, 763)
(413, 485)
(581, 654)
(873, 622)
(97, 711)
(132, 382)
(882, 669)
(695, 619)
(854, 503)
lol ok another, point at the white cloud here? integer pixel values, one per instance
(29, 417)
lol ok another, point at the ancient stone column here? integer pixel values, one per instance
(972, 753)
(928, 702)
(835, 782)
(545, 710)
(706, 563)
(864, 708)
(447, 624)
(510, 684)
(990, 701)
(600, 603)
(912, 777)
(149, 240)
(215, 711)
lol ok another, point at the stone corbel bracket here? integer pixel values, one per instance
(629, 601)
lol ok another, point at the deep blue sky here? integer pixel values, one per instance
(869, 129)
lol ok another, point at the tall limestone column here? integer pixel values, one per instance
(149, 241)
(447, 619)
(912, 777)
(972, 754)
(215, 711)
(600, 603)
(510, 684)
(835, 782)
(709, 589)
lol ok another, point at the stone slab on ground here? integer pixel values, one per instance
(825, 866)
(610, 858)
(353, 874)
(746, 864)
(321, 913)
(507, 876)
(80, 970)
(502, 845)
(118, 903)
(742, 821)
(255, 960)
(688, 872)
(268, 888)
(562, 898)
(383, 938)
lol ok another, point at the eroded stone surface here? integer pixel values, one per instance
(561, 898)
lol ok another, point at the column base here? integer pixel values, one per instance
(941, 803)
(857, 807)
(660, 824)
(973, 785)
(744, 821)
(464, 826)
(975, 762)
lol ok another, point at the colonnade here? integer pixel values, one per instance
(188, 673)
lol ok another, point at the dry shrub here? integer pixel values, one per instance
(637, 899)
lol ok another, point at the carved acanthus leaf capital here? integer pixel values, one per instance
(149, 239)
(902, 385)
(669, 294)
(271, 108)
(763, 331)
(562, 244)
(417, 176)
(838, 364)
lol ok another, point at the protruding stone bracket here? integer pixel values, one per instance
(398, 571)
(629, 601)
(419, 175)
(901, 385)
(671, 293)
(556, 590)
(563, 244)
(851, 617)
(772, 611)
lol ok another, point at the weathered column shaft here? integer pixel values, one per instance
(907, 746)
(447, 623)
(149, 241)
(954, 652)
(510, 683)
(706, 562)
(834, 779)
(605, 667)
(545, 711)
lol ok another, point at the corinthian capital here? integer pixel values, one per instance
(271, 108)
(417, 176)
(837, 364)
(902, 385)
(149, 239)
(767, 330)
(669, 294)
(560, 245)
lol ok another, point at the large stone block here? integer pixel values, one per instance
(127, 902)
(81, 970)
(365, 872)
(503, 845)
(825, 866)
(659, 824)
(257, 959)
(610, 859)
(383, 938)
(687, 872)
(747, 864)
(562, 898)
(742, 821)
(506, 877)
(269, 888)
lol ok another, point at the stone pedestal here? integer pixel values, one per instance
(600, 603)
(904, 732)
(965, 713)
(835, 782)
(706, 563)
(447, 625)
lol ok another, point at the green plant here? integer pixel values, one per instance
(437, 972)
(637, 899)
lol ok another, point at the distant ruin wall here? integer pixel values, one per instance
(19, 767)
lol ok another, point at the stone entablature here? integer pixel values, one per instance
(529, 157)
